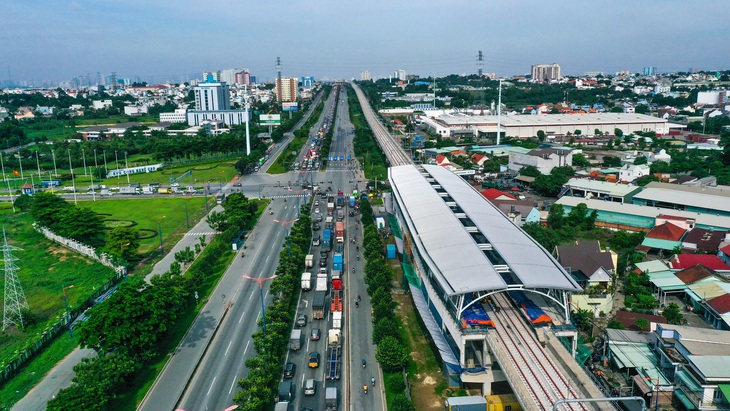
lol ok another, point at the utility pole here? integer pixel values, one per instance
(499, 111)
(14, 298)
(247, 106)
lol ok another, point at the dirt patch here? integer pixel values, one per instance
(423, 384)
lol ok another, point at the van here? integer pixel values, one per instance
(310, 388)
(285, 391)
(316, 240)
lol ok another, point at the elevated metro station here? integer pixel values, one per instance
(461, 254)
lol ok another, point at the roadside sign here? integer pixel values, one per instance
(342, 158)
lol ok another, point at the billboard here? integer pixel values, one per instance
(289, 106)
(270, 119)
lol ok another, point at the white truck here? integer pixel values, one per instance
(337, 320)
(321, 282)
(306, 281)
(128, 190)
(330, 399)
(309, 261)
(149, 190)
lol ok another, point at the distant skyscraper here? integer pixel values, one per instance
(545, 72)
(400, 74)
(365, 76)
(229, 75)
(649, 71)
(243, 77)
(212, 97)
(308, 82)
(286, 89)
(211, 76)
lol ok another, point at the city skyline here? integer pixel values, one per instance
(176, 41)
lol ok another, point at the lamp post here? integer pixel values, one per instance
(121, 254)
(68, 314)
(261, 280)
(286, 224)
(159, 226)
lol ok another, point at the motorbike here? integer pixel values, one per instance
(363, 363)
(365, 388)
(372, 380)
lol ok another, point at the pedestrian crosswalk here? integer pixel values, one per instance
(287, 196)
(207, 233)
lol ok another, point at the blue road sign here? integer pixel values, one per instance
(349, 158)
(329, 158)
(342, 158)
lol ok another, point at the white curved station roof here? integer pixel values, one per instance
(461, 265)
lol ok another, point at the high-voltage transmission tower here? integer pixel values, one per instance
(278, 80)
(15, 301)
(480, 63)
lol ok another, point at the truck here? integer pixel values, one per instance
(327, 240)
(295, 340)
(148, 190)
(333, 359)
(340, 199)
(282, 406)
(340, 231)
(352, 200)
(336, 274)
(336, 295)
(128, 190)
(309, 261)
(285, 393)
(318, 305)
(329, 222)
(337, 262)
(330, 207)
(337, 320)
(164, 190)
(306, 281)
(321, 284)
(330, 399)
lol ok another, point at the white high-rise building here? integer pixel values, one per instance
(545, 72)
(400, 74)
(365, 76)
(212, 97)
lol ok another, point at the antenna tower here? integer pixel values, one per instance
(114, 80)
(278, 80)
(480, 63)
(15, 300)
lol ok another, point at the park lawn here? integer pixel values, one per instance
(44, 269)
(221, 171)
(151, 214)
(285, 159)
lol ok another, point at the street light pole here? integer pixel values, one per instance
(261, 280)
(68, 314)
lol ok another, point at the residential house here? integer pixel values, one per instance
(442, 160)
(724, 252)
(478, 159)
(682, 261)
(520, 212)
(589, 265)
(629, 172)
(544, 159)
(703, 240)
(628, 319)
(666, 236)
(493, 194)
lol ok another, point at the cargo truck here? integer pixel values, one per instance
(336, 295)
(337, 320)
(333, 360)
(309, 261)
(318, 305)
(337, 264)
(306, 281)
(321, 282)
(163, 190)
(330, 399)
(295, 340)
(128, 190)
(282, 406)
(340, 199)
(330, 207)
(340, 231)
(327, 240)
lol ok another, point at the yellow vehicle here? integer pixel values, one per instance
(313, 359)
(164, 190)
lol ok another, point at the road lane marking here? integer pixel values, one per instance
(211, 386)
(233, 384)
(241, 319)
(229, 347)
(246, 350)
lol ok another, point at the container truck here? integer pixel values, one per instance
(327, 240)
(306, 281)
(295, 340)
(309, 261)
(337, 263)
(340, 231)
(128, 190)
(318, 305)
(330, 399)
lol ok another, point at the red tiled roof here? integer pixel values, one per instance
(711, 261)
(476, 157)
(666, 231)
(440, 158)
(721, 304)
(694, 273)
(726, 249)
(26, 186)
(492, 193)
(628, 319)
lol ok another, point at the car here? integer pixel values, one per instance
(289, 369)
(302, 320)
(313, 359)
(315, 334)
(323, 255)
(237, 185)
(310, 388)
(306, 409)
(316, 227)
(323, 270)
(316, 241)
(316, 203)
(316, 210)
(323, 263)
(319, 218)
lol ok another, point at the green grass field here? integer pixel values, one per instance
(44, 269)
(151, 213)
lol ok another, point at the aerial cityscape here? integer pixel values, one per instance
(406, 207)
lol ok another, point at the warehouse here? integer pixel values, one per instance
(524, 126)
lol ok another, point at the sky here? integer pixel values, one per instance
(176, 40)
